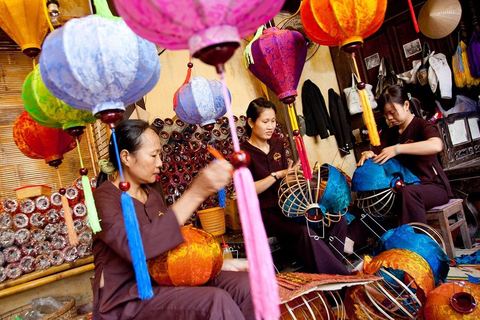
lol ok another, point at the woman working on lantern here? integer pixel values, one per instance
(268, 164)
(415, 143)
(115, 289)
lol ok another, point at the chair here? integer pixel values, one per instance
(442, 214)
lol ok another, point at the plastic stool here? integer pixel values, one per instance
(442, 214)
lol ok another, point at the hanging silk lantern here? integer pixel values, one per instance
(211, 30)
(25, 22)
(200, 101)
(278, 57)
(346, 24)
(48, 110)
(51, 112)
(86, 64)
(39, 142)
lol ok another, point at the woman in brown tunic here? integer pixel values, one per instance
(115, 288)
(415, 143)
(268, 164)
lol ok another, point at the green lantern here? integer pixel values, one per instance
(48, 110)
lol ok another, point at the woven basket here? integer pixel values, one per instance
(213, 220)
(69, 311)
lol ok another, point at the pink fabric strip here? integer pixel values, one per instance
(263, 282)
(302, 153)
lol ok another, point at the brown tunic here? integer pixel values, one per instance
(226, 297)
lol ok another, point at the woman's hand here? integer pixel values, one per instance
(291, 167)
(365, 155)
(214, 177)
(386, 154)
(235, 265)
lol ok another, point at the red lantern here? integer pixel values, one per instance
(38, 142)
(193, 263)
(278, 60)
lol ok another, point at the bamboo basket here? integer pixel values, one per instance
(213, 220)
(69, 311)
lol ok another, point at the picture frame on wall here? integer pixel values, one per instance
(412, 48)
(372, 61)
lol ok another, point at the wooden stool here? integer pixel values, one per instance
(442, 214)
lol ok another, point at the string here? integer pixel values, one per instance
(47, 15)
(89, 143)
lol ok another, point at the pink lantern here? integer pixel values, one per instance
(211, 30)
(278, 60)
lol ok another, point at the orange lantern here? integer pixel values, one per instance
(192, 263)
(346, 23)
(454, 300)
(25, 22)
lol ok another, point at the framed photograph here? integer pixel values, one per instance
(474, 128)
(372, 61)
(412, 48)
(458, 132)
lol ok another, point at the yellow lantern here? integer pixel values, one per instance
(25, 22)
(346, 23)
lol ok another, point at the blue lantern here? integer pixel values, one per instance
(200, 101)
(88, 65)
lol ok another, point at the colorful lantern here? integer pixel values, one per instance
(39, 142)
(278, 57)
(346, 24)
(200, 101)
(211, 30)
(25, 22)
(192, 263)
(407, 261)
(455, 300)
(48, 110)
(86, 64)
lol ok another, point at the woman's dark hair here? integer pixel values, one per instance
(398, 94)
(255, 108)
(127, 134)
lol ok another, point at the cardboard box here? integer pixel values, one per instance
(32, 191)
(232, 219)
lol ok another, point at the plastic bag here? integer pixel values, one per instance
(46, 305)
(462, 104)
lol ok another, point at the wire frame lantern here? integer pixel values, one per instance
(324, 198)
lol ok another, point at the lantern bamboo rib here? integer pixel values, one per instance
(79, 153)
(42, 281)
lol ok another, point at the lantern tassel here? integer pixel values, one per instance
(369, 118)
(414, 18)
(302, 151)
(67, 214)
(134, 238)
(263, 282)
(91, 208)
(103, 10)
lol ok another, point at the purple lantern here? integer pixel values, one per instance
(278, 60)
(200, 101)
(211, 29)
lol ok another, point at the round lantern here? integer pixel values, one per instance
(25, 22)
(454, 300)
(335, 22)
(405, 237)
(211, 30)
(48, 110)
(192, 263)
(87, 65)
(39, 142)
(278, 59)
(376, 185)
(200, 101)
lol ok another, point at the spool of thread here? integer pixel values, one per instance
(28, 249)
(38, 235)
(42, 203)
(27, 206)
(79, 225)
(37, 220)
(20, 220)
(42, 262)
(10, 205)
(43, 248)
(22, 236)
(12, 254)
(7, 238)
(3, 274)
(85, 237)
(56, 258)
(27, 264)
(51, 230)
(79, 211)
(70, 254)
(6, 221)
(13, 271)
(84, 250)
(58, 242)
(52, 216)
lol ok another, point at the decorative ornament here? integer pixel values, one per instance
(86, 64)
(277, 59)
(335, 22)
(192, 263)
(25, 22)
